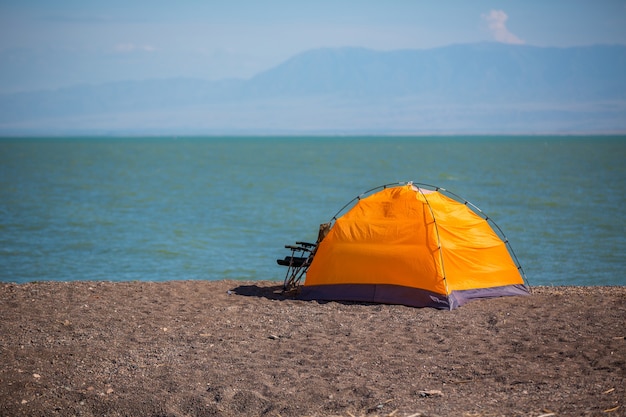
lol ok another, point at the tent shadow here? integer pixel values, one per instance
(274, 292)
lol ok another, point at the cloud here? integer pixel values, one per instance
(496, 21)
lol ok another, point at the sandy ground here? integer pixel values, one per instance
(229, 348)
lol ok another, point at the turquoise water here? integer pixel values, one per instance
(158, 209)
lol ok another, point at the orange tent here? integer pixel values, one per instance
(415, 246)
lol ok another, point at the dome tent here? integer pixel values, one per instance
(413, 244)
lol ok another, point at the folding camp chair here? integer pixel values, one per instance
(297, 264)
(301, 257)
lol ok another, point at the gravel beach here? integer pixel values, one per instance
(232, 348)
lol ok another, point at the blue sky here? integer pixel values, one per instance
(49, 44)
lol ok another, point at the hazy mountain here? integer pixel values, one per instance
(466, 72)
(462, 88)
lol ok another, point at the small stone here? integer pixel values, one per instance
(431, 393)
(274, 337)
(24, 401)
(36, 376)
(109, 390)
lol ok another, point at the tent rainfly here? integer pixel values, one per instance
(416, 245)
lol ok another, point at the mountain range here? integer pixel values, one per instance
(469, 88)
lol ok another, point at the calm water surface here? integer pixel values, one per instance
(157, 209)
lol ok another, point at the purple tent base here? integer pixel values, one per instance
(412, 297)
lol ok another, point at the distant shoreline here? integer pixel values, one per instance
(298, 135)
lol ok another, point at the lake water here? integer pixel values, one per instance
(157, 209)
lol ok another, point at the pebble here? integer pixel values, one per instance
(431, 393)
